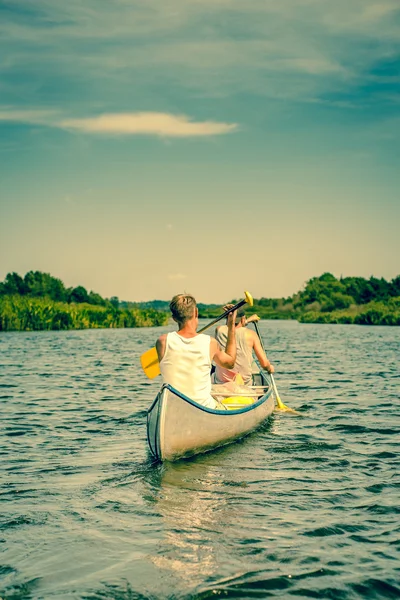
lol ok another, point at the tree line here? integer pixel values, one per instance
(327, 299)
(36, 284)
(39, 301)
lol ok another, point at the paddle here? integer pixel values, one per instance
(149, 360)
(279, 402)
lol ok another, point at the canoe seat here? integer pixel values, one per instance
(235, 402)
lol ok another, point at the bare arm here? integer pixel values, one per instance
(259, 352)
(160, 346)
(225, 358)
(252, 319)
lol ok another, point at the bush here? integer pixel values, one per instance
(23, 313)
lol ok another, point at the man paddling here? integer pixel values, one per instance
(247, 341)
(186, 356)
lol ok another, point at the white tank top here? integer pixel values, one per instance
(186, 365)
(244, 356)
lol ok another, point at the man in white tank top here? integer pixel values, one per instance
(186, 356)
(247, 341)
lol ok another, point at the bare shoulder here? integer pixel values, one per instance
(213, 346)
(160, 345)
(161, 341)
(251, 335)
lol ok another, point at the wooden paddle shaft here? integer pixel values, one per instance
(259, 336)
(278, 400)
(225, 314)
(263, 347)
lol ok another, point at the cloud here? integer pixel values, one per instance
(148, 123)
(176, 276)
(374, 12)
(149, 52)
(139, 123)
(313, 66)
(31, 116)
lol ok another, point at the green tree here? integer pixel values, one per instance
(395, 286)
(96, 299)
(13, 284)
(114, 301)
(43, 284)
(337, 301)
(79, 294)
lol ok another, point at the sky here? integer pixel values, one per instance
(154, 147)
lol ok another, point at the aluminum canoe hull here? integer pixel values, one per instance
(178, 427)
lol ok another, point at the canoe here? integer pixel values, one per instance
(178, 427)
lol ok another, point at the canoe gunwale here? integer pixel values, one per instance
(212, 411)
(156, 405)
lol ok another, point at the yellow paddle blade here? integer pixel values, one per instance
(281, 406)
(279, 403)
(150, 364)
(249, 298)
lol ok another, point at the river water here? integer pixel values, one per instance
(305, 507)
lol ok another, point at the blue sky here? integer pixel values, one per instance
(210, 146)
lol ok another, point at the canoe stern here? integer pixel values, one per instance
(178, 427)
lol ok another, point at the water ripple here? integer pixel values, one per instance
(302, 508)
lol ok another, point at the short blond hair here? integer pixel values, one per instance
(182, 307)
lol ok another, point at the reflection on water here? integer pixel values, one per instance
(191, 519)
(303, 507)
(194, 500)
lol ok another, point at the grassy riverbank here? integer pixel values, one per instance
(37, 314)
(41, 302)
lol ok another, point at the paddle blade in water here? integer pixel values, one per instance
(284, 408)
(150, 364)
